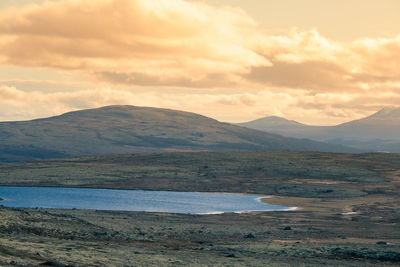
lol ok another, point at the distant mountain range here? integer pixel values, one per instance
(378, 132)
(130, 129)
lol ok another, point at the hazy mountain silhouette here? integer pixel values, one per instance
(129, 129)
(378, 132)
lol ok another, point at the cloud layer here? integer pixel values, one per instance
(146, 42)
(236, 107)
(188, 44)
(179, 44)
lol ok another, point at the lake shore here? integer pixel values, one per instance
(104, 238)
(134, 200)
(351, 219)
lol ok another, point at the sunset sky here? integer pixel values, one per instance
(317, 62)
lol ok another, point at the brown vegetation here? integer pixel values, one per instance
(349, 211)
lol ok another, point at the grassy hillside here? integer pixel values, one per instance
(129, 129)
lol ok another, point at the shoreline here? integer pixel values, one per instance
(259, 198)
(128, 189)
(266, 200)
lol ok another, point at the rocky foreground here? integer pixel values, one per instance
(349, 216)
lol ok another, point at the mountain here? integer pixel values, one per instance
(130, 129)
(282, 126)
(378, 132)
(384, 124)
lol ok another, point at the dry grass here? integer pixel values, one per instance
(334, 228)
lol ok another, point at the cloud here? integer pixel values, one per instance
(312, 75)
(205, 81)
(321, 108)
(187, 44)
(142, 39)
(307, 60)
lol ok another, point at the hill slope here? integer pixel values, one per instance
(129, 129)
(278, 125)
(378, 132)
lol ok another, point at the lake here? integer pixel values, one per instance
(132, 200)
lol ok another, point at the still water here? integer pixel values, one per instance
(132, 200)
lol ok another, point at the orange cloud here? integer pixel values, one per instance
(187, 44)
(135, 39)
(307, 60)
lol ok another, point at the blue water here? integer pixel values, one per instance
(131, 200)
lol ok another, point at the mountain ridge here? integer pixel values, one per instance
(131, 129)
(379, 131)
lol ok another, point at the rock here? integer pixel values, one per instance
(100, 233)
(249, 235)
(16, 263)
(231, 255)
(54, 264)
(287, 228)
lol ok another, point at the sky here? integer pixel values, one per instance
(317, 62)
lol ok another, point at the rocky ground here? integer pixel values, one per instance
(347, 217)
(31, 237)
